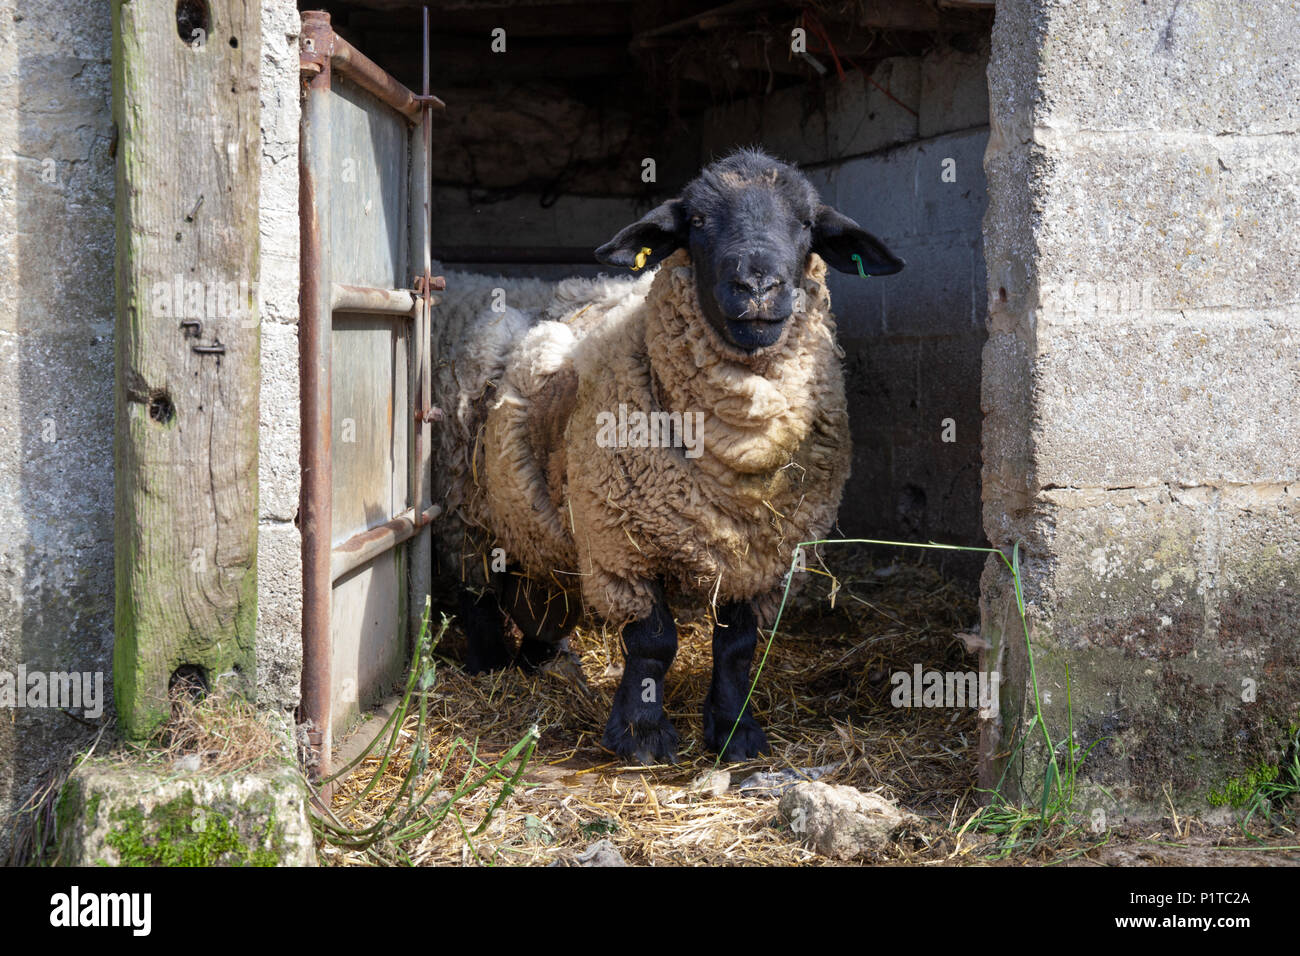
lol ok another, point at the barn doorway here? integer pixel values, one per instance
(564, 122)
(567, 120)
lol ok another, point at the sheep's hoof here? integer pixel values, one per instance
(644, 743)
(746, 743)
(485, 655)
(534, 654)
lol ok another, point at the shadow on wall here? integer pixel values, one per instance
(913, 343)
(56, 397)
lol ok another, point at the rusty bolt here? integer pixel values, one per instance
(436, 284)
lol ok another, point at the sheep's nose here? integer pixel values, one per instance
(759, 286)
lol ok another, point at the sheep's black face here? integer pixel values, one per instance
(750, 222)
(749, 233)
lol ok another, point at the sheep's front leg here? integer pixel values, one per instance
(485, 632)
(734, 637)
(638, 729)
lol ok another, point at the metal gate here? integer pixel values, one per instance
(364, 348)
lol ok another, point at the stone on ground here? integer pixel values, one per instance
(114, 814)
(842, 822)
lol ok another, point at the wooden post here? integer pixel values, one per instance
(185, 99)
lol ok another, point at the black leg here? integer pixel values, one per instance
(485, 632)
(734, 637)
(638, 729)
(544, 615)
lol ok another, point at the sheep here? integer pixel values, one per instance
(631, 444)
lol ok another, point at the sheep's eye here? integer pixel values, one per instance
(807, 223)
(697, 221)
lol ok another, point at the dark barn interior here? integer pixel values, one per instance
(595, 111)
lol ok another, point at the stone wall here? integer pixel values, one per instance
(1140, 385)
(56, 374)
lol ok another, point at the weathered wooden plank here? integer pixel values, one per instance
(185, 99)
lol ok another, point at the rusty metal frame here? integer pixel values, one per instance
(322, 53)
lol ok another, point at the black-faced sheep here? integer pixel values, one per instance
(617, 445)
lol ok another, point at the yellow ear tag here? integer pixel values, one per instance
(641, 257)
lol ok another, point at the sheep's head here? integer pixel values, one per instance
(750, 222)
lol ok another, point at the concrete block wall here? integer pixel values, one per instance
(878, 150)
(56, 374)
(1140, 383)
(279, 544)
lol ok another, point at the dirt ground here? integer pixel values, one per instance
(824, 700)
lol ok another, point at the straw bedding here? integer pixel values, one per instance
(823, 696)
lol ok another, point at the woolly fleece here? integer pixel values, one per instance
(613, 524)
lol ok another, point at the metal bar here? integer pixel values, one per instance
(365, 73)
(369, 544)
(420, 572)
(314, 363)
(360, 298)
(531, 255)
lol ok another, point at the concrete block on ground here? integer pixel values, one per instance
(122, 815)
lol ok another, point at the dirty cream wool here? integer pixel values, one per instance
(610, 523)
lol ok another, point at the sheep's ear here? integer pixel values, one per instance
(662, 230)
(836, 238)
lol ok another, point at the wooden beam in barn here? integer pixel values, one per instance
(503, 5)
(521, 61)
(903, 15)
(913, 15)
(711, 19)
(185, 99)
(555, 19)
